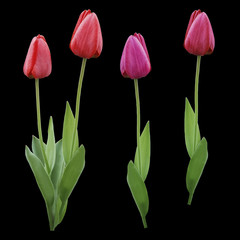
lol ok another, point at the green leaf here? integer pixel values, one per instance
(59, 164)
(195, 167)
(138, 190)
(62, 210)
(68, 130)
(189, 129)
(37, 150)
(43, 181)
(145, 152)
(71, 174)
(51, 148)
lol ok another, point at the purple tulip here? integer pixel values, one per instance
(135, 61)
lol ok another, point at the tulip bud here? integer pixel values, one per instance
(38, 63)
(199, 38)
(87, 39)
(135, 61)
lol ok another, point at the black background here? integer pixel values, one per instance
(101, 201)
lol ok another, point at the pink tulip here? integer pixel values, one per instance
(135, 61)
(199, 38)
(38, 63)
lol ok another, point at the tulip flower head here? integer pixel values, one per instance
(38, 63)
(199, 38)
(135, 61)
(87, 39)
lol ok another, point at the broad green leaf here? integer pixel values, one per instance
(51, 148)
(43, 181)
(189, 129)
(143, 163)
(36, 148)
(72, 173)
(59, 164)
(196, 166)
(67, 139)
(138, 190)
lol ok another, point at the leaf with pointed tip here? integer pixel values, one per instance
(36, 148)
(43, 181)
(51, 148)
(71, 174)
(189, 129)
(195, 167)
(58, 166)
(68, 130)
(145, 152)
(138, 190)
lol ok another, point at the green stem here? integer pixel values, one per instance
(138, 119)
(78, 102)
(196, 98)
(39, 124)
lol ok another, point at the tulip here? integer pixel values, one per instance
(87, 40)
(135, 64)
(135, 61)
(199, 38)
(38, 62)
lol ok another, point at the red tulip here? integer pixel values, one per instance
(199, 38)
(87, 40)
(38, 63)
(135, 61)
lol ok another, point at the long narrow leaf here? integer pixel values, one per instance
(138, 190)
(43, 181)
(68, 130)
(189, 129)
(195, 167)
(71, 174)
(51, 148)
(143, 163)
(145, 151)
(58, 166)
(37, 150)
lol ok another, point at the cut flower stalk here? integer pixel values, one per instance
(135, 64)
(196, 147)
(199, 40)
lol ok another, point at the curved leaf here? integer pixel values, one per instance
(138, 190)
(43, 181)
(41, 176)
(59, 165)
(145, 151)
(195, 167)
(71, 174)
(37, 150)
(67, 139)
(189, 129)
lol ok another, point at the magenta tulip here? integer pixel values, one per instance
(135, 61)
(38, 63)
(199, 38)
